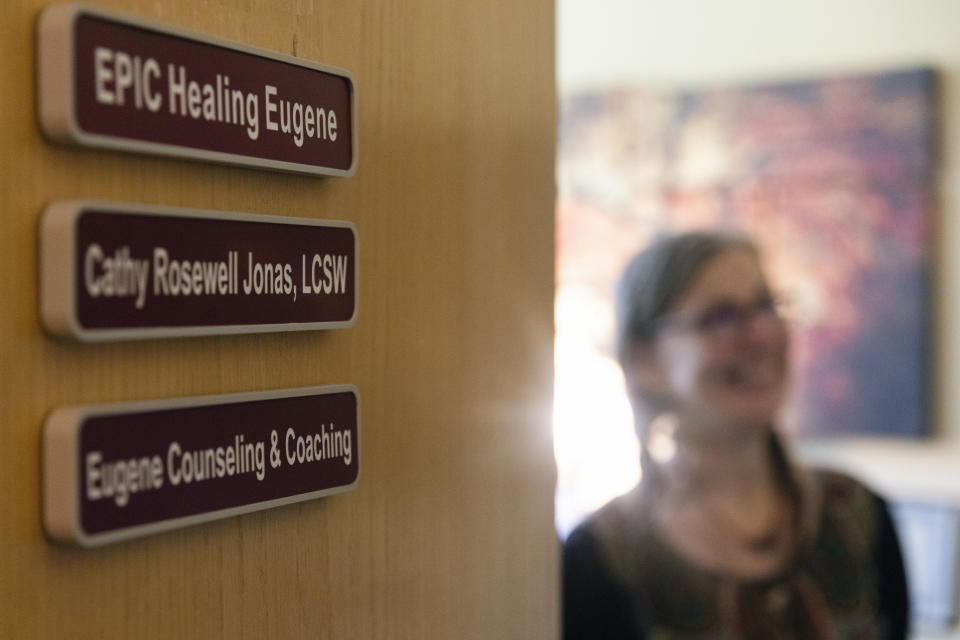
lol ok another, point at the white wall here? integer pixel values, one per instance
(707, 42)
(687, 41)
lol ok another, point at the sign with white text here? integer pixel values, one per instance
(109, 80)
(113, 472)
(115, 272)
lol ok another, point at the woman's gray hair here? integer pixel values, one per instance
(655, 277)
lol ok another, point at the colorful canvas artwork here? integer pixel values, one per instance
(834, 179)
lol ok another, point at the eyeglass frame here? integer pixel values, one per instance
(739, 316)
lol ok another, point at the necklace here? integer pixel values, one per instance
(753, 539)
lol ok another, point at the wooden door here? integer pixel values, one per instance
(450, 531)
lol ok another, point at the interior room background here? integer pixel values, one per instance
(686, 70)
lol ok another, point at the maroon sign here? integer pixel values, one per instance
(108, 80)
(114, 472)
(115, 272)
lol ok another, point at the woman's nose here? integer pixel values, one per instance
(763, 328)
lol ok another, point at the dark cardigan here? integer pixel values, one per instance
(620, 581)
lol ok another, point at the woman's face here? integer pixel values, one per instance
(721, 350)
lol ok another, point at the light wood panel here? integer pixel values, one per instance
(450, 532)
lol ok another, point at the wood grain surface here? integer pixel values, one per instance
(450, 532)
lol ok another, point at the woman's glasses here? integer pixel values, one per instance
(725, 318)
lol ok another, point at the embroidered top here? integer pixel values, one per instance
(846, 580)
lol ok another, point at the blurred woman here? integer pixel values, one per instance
(723, 538)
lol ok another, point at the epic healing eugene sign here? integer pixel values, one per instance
(113, 472)
(107, 80)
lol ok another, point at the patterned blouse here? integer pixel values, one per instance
(621, 581)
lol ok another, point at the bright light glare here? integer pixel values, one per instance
(594, 443)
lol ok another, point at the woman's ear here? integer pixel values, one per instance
(643, 370)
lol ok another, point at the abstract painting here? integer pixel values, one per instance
(834, 179)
